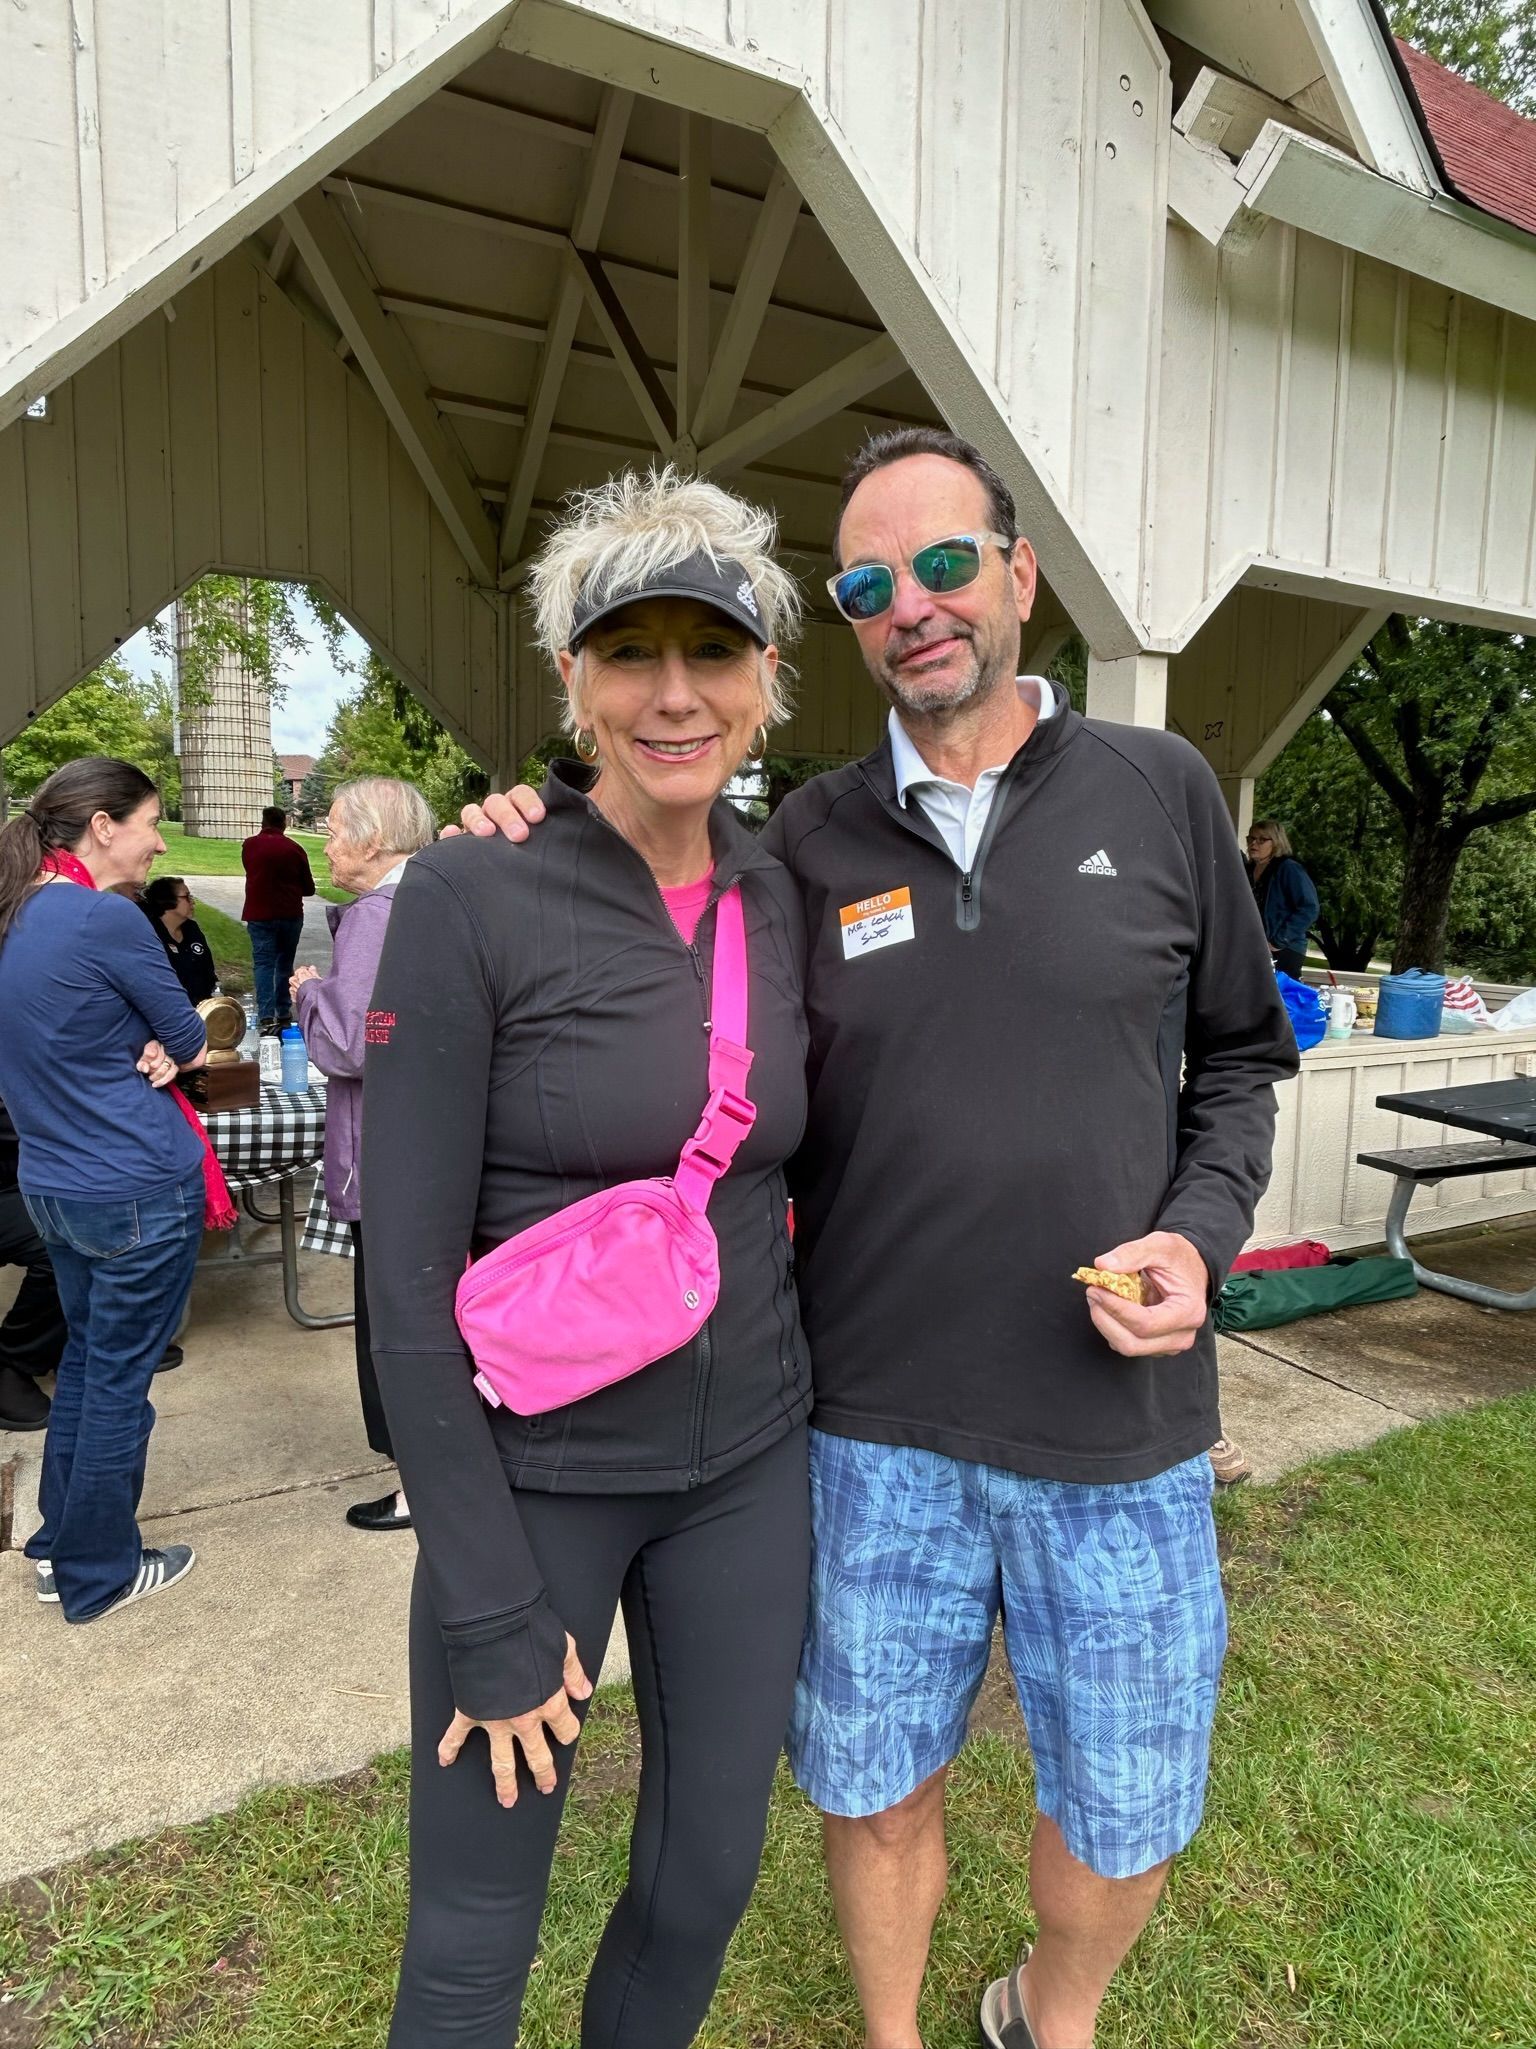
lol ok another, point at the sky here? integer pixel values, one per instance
(313, 686)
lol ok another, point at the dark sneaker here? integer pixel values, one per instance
(157, 1571)
(173, 1358)
(46, 1590)
(23, 1405)
(1004, 2024)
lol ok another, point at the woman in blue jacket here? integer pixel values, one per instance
(1283, 891)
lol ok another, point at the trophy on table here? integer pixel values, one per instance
(229, 1081)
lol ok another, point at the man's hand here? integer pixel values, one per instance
(510, 814)
(1170, 1324)
(157, 1065)
(556, 1715)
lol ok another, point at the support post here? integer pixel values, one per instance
(1238, 791)
(1133, 691)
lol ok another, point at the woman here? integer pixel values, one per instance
(374, 826)
(112, 1162)
(536, 1035)
(168, 905)
(1283, 890)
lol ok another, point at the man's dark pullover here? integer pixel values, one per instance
(997, 1100)
(536, 1034)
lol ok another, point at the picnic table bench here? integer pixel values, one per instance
(1504, 1113)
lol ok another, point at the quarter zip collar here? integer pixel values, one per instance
(736, 849)
(1048, 738)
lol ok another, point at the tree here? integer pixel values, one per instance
(108, 712)
(1442, 720)
(1490, 42)
(380, 729)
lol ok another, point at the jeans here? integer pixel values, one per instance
(124, 1271)
(274, 942)
(32, 1335)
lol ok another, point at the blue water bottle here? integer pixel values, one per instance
(295, 1061)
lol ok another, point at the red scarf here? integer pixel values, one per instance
(218, 1210)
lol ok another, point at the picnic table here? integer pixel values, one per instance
(281, 1138)
(1504, 1113)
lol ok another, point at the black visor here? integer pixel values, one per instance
(716, 581)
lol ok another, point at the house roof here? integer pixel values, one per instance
(1486, 150)
(296, 766)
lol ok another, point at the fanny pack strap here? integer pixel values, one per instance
(729, 1113)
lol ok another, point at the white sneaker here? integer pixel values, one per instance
(46, 1590)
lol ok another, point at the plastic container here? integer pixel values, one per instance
(1409, 1005)
(295, 1061)
(1341, 1013)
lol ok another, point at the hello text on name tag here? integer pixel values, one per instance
(876, 921)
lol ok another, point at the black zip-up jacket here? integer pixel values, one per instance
(996, 1098)
(536, 1034)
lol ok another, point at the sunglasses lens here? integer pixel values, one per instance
(948, 565)
(865, 593)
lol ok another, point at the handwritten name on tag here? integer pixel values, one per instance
(883, 920)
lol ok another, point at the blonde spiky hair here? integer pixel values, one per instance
(619, 535)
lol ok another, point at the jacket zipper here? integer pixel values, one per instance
(705, 1357)
(968, 897)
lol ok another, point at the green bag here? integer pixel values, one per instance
(1259, 1301)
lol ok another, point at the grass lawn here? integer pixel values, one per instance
(231, 945)
(1366, 1875)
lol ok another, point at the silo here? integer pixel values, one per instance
(226, 743)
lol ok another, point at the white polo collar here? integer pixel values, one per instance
(909, 765)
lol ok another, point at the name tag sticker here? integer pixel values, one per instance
(883, 920)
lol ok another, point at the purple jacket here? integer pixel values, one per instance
(332, 1014)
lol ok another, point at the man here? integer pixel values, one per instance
(33, 1332)
(277, 880)
(1043, 1031)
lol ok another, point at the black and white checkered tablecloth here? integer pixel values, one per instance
(282, 1136)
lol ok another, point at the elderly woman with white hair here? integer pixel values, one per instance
(374, 826)
(550, 1021)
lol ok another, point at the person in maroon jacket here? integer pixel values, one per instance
(277, 880)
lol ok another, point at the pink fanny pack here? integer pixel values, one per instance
(626, 1276)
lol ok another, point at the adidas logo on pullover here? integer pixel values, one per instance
(1097, 864)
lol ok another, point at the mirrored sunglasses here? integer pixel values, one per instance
(869, 589)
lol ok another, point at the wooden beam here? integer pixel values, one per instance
(586, 225)
(693, 219)
(644, 385)
(841, 385)
(281, 255)
(1227, 113)
(385, 359)
(754, 288)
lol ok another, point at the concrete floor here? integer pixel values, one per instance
(283, 1656)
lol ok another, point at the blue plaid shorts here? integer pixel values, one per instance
(1112, 1613)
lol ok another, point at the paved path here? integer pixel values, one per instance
(227, 893)
(283, 1656)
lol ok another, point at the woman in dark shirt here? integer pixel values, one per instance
(168, 904)
(539, 1031)
(1283, 890)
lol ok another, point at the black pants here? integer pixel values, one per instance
(1290, 960)
(32, 1335)
(713, 1585)
(375, 1422)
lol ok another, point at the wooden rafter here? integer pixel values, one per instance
(586, 225)
(743, 323)
(385, 359)
(876, 363)
(634, 364)
(693, 220)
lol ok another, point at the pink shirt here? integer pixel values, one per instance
(686, 904)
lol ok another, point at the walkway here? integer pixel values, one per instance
(227, 893)
(282, 1658)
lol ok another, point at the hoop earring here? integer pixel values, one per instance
(759, 745)
(586, 743)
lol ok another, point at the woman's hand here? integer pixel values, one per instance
(555, 1715)
(305, 974)
(510, 814)
(157, 1065)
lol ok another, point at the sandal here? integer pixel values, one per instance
(1228, 1463)
(1004, 2023)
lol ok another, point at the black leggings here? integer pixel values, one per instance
(713, 1585)
(375, 1422)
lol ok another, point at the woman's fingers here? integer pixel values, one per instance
(453, 1738)
(577, 1685)
(504, 1763)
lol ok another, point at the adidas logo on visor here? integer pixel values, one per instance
(746, 596)
(1097, 864)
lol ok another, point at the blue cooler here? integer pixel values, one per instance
(1408, 1005)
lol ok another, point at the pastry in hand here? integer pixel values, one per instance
(1133, 1287)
